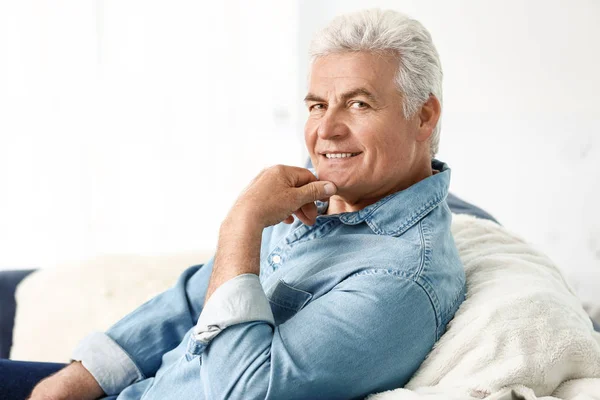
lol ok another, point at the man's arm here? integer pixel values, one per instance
(75, 383)
(271, 197)
(369, 334)
(132, 349)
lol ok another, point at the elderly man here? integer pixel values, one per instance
(330, 284)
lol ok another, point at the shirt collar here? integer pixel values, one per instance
(396, 213)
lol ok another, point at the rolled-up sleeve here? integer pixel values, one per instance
(368, 334)
(240, 299)
(108, 363)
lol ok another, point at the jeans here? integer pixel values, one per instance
(18, 378)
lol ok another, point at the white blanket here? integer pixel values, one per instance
(520, 334)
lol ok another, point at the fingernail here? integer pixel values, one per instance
(330, 189)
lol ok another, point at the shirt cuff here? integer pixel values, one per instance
(108, 363)
(240, 299)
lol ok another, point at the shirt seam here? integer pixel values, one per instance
(423, 248)
(410, 278)
(426, 286)
(322, 231)
(426, 254)
(417, 215)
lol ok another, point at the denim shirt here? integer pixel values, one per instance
(347, 307)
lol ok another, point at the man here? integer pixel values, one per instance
(346, 298)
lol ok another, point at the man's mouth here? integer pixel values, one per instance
(340, 155)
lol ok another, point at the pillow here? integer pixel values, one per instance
(58, 306)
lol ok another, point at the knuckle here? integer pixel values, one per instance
(264, 171)
(314, 191)
(278, 168)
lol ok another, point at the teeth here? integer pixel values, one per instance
(341, 155)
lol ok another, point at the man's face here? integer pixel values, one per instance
(355, 108)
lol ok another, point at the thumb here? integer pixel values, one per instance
(317, 190)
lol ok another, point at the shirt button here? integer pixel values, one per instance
(276, 259)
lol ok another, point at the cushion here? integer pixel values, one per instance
(58, 306)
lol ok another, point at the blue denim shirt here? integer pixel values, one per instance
(347, 307)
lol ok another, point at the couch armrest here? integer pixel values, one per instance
(8, 284)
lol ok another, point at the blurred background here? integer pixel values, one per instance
(131, 126)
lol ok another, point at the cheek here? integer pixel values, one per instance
(371, 137)
(383, 147)
(310, 136)
(307, 138)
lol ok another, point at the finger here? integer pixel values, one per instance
(315, 191)
(299, 176)
(289, 219)
(302, 217)
(310, 211)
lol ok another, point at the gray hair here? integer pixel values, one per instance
(384, 31)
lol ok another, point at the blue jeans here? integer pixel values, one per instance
(18, 378)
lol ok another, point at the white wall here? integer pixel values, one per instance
(131, 126)
(521, 114)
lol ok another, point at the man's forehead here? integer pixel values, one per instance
(341, 84)
(330, 67)
(340, 73)
(351, 63)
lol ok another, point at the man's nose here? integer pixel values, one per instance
(331, 126)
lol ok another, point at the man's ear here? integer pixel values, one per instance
(429, 114)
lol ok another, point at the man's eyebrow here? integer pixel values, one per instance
(345, 96)
(313, 97)
(359, 92)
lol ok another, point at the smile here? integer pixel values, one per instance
(340, 155)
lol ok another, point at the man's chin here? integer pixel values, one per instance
(339, 178)
(343, 190)
(342, 187)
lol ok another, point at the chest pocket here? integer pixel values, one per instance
(286, 301)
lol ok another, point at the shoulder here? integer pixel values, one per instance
(427, 255)
(424, 246)
(392, 295)
(442, 273)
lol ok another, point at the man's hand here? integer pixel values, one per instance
(277, 193)
(71, 382)
(273, 196)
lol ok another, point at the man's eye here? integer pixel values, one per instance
(316, 107)
(359, 104)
